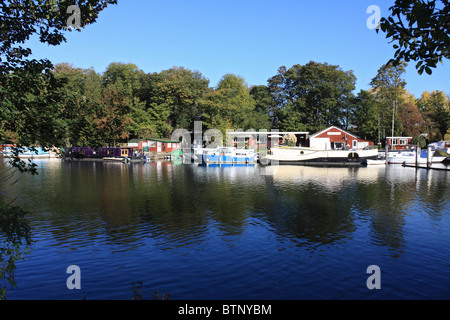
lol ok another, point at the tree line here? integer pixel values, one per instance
(67, 105)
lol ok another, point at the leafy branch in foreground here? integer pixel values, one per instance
(15, 240)
(47, 19)
(421, 32)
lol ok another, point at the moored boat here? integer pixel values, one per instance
(409, 157)
(225, 155)
(313, 156)
(108, 154)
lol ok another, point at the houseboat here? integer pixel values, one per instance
(122, 154)
(329, 147)
(313, 156)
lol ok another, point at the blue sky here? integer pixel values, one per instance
(247, 37)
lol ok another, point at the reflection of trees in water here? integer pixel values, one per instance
(308, 213)
(182, 204)
(323, 206)
(15, 233)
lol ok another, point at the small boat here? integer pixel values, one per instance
(409, 157)
(225, 155)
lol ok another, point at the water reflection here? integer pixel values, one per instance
(233, 229)
(179, 205)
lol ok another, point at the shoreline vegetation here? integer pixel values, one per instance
(79, 107)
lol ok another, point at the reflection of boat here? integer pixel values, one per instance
(330, 178)
(312, 156)
(114, 159)
(409, 157)
(220, 155)
(371, 162)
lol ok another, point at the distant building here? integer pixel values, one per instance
(334, 138)
(161, 145)
(398, 143)
(252, 139)
(154, 145)
(138, 144)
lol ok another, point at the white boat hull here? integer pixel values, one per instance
(409, 157)
(311, 156)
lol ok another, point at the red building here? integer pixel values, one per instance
(138, 144)
(154, 145)
(334, 138)
(398, 143)
(161, 145)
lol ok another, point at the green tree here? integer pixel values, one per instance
(47, 19)
(312, 96)
(435, 107)
(124, 115)
(28, 101)
(263, 106)
(182, 90)
(263, 99)
(236, 100)
(30, 106)
(388, 87)
(27, 87)
(142, 125)
(81, 101)
(365, 116)
(230, 106)
(128, 75)
(420, 31)
(156, 108)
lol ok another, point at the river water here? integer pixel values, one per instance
(234, 232)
